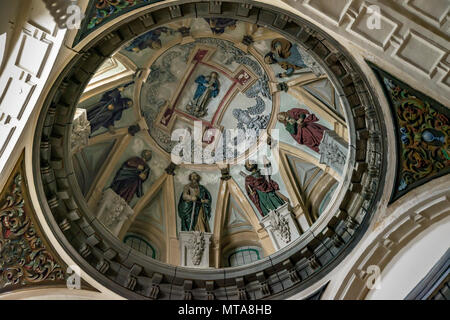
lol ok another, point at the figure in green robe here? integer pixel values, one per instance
(262, 190)
(303, 127)
(194, 207)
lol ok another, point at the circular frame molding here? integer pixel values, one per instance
(135, 276)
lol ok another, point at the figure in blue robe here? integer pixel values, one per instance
(108, 110)
(207, 88)
(286, 55)
(149, 39)
(131, 176)
(218, 25)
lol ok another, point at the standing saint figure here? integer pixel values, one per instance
(207, 88)
(108, 110)
(131, 176)
(286, 55)
(303, 127)
(219, 25)
(149, 40)
(194, 207)
(262, 190)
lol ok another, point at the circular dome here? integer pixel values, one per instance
(210, 153)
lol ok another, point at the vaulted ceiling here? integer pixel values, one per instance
(156, 71)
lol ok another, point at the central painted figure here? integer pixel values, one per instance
(194, 207)
(207, 88)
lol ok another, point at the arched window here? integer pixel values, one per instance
(243, 255)
(140, 244)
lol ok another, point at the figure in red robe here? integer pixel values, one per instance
(303, 127)
(262, 190)
(129, 179)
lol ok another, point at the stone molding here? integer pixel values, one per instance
(412, 38)
(409, 217)
(26, 70)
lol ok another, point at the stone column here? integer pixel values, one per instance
(113, 211)
(281, 227)
(194, 248)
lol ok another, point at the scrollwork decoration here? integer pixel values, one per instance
(23, 256)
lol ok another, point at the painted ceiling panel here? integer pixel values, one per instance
(89, 161)
(237, 171)
(122, 119)
(326, 200)
(289, 102)
(237, 102)
(304, 170)
(109, 68)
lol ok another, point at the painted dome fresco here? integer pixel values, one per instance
(224, 150)
(210, 143)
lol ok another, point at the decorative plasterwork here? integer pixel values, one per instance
(26, 259)
(413, 214)
(334, 13)
(333, 151)
(422, 131)
(26, 67)
(436, 14)
(410, 35)
(300, 265)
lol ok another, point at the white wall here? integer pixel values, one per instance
(413, 263)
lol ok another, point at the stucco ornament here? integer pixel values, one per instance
(197, 243)
(333, 151)
(81, 130)
(280, 225)
(117, 212)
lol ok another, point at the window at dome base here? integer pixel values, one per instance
(242, 256)
(140, 244)
(203, 136)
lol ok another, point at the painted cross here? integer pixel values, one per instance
(201, 63)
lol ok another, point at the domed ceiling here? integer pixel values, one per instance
(257, 120)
